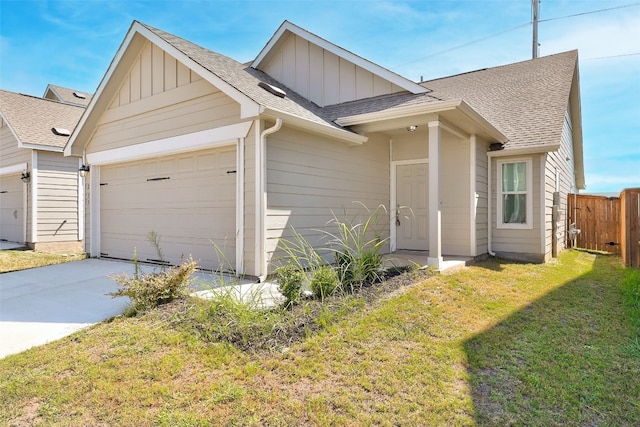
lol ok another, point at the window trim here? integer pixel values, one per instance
(528, 225)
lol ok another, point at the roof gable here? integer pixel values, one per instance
(325, 73)
(32, 120)
(66, 95)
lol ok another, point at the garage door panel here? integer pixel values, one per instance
(189, 200)
(12, 208)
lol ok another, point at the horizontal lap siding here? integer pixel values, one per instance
(57, 198)
(309, 177)
(454, 193)
(10, 153)
(481, 200)
(204, 112)
(563, 162)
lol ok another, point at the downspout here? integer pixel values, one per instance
(262, 217)
(489, 205)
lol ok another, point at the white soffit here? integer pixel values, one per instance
(226, 135)
(382, 72)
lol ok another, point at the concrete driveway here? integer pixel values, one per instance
(44, 304)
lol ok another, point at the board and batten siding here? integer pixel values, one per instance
(57, 198)
(321, 76)
(152, 111)
(559, 175)
(525, 244)
(309, 178)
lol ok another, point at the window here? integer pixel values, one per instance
(515, 208)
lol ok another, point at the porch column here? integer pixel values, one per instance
(435, 220)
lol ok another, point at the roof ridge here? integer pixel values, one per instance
(547, 57)
(55, 101)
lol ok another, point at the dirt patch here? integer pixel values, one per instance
(30, 414)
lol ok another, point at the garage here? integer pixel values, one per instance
(12, 215)
(188, 199)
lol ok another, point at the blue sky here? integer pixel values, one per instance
(71, 44)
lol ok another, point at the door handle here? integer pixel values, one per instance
(398, 215)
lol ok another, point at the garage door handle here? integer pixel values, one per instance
(158, 179)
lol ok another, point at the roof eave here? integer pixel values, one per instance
(522, 151)
(432, 108)
(382, 72)
(315, 127)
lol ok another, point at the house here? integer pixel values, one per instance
(222, 159)
(41, 196)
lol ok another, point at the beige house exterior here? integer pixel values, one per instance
(224, 159)
(41, 197)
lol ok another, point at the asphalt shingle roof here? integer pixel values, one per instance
(31, 118)
(526, 101)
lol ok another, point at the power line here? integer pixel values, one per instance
(612, 56)
(516, 28)
(590, 12)
(463, 45)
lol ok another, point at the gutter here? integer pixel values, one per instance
(261, 199)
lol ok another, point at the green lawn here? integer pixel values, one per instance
(21, 259)
(498, 343)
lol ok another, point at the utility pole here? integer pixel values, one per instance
(535, 5)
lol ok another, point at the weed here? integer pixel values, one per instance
(148, 290)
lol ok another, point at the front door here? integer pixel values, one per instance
(412, 193)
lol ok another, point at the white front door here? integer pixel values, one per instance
(412, 220)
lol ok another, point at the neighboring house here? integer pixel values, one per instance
(220, 157)
(40, 189)
(67, 96)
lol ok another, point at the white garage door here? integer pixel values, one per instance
(12, 208)
(188, 199)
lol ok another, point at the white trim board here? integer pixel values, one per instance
(10, 170)
(211, 138)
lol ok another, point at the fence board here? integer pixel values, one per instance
(630, 238)
(598, 219)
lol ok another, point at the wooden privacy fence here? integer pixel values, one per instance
(630, 235)
(608, 224)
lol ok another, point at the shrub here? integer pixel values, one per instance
(148, 290)
(324, 282)
(290, 278)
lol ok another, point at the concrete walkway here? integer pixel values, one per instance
(44, 304)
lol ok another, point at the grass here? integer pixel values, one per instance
(22, 259)
(498, 343)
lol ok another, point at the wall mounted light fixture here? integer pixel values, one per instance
(83, 170)
(26, 177)
(412, 128)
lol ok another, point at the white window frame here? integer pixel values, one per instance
(529, 194)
